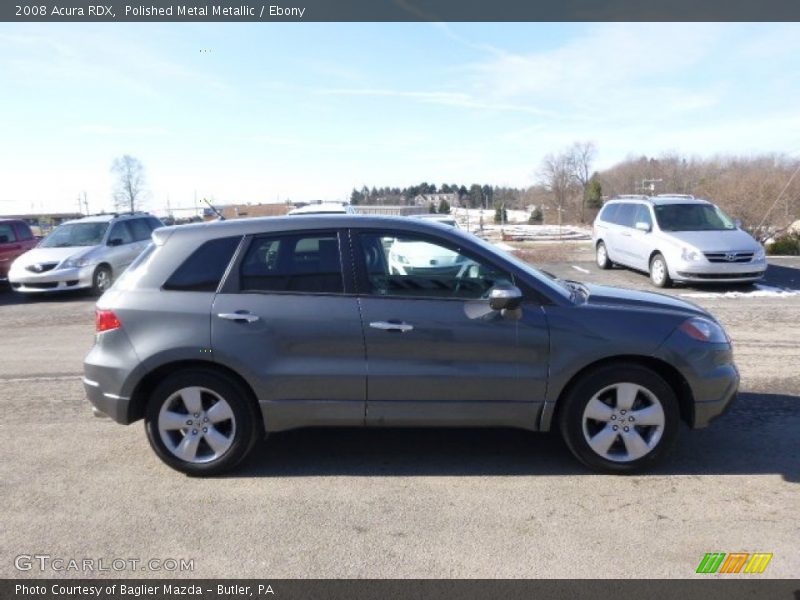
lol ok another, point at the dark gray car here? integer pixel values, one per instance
(222, 332)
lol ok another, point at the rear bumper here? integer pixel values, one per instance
(107, 404)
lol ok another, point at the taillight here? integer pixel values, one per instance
(105, 320)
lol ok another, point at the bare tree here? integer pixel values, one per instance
(557, 176)
(129, 189)
(581, 156)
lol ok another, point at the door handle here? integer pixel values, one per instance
(626, 234)
(391, 326)
(239, 316)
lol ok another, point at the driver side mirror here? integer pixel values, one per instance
(738, 223)
(115, 242)
(642, 226)
(505, 296)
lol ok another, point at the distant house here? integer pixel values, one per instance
(435, 199)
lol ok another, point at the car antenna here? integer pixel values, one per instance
(214, 208)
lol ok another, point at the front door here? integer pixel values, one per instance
(437, 353)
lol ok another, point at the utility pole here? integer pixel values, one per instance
(85, 203)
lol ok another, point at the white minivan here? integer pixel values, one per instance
(676, 238)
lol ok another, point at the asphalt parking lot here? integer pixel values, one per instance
(403, 503)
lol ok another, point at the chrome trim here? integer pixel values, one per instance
(90, 382)
(389, 326)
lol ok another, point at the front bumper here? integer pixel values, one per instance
(709, 371)
(24, 281)
(703, 271)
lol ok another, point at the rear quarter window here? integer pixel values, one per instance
(7, 234)
(203, 270)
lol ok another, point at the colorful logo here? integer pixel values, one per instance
(735, 562)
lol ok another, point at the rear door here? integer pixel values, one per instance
(287, 320)
(623, 227)
(437, 353)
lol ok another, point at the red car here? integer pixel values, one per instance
(15, 239)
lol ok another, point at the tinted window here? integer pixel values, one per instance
(625, 215)
(140, 230)
(609, 212)
(203, 270)
(120, 231)
(7, 233)
(24, 231)
(409, 266)
(293, 263)
(154, 223)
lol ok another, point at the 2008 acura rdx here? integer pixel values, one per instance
(221, 332)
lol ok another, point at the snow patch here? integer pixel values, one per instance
(760, 291)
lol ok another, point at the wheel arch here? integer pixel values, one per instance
(148, 383)
(666, 371)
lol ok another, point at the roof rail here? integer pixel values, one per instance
(631, 196)
(687, 196)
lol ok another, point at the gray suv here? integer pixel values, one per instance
(222, 332)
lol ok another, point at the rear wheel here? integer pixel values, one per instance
(659, 273)
(619, 419)
(201, 423)
(602, 257)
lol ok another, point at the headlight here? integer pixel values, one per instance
(759, 254)
(72, 263)
(689, 254)
(704, 330)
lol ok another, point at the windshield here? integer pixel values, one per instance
(75, 234)
(692, 217)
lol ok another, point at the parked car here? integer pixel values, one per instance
(676, 238)
(87, 253)
(16, 238)
(324, 208)
(221, 332)
(444, 219)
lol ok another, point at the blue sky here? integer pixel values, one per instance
(303, 111)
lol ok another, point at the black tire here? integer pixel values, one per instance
(575, 433)
(659, 274)
(601, 255)
(243, 430)
(101, 280)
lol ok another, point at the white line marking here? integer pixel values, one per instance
(581, 269)
(42, 378)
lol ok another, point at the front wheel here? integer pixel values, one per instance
(619, 419)
(201, 423)
(659, 273)
(101, 280)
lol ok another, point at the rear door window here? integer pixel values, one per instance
(305, 263)
(24, 232)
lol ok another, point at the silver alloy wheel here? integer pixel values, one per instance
(658, 271)
(102, 280)
(197, 425)
(602, 255)
(623, 422)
